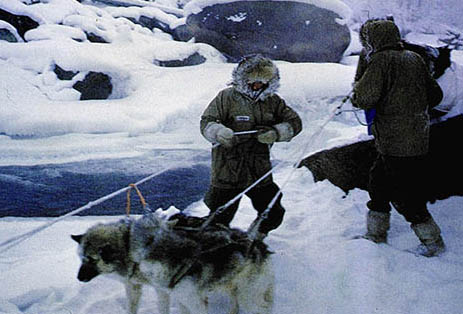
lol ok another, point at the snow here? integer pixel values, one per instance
(452, 82)
(136, 13)
(19, 8)
(237, 18)
(411, 15)
(319, 269)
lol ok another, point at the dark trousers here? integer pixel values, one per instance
(402, 182)
(260, 196)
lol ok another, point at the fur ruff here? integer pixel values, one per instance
(256, 69)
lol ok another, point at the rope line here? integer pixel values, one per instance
(253, 229)
(10, 243)
(355, 112)
(142, 199)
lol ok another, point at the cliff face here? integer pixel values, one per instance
(347, 166)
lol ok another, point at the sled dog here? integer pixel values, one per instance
(180, 262)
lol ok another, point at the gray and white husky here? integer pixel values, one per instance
(180, 263)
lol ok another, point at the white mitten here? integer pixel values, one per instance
(226, 137)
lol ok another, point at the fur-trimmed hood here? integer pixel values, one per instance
(378, 34)
(256, 68)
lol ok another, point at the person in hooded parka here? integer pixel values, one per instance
(239, 160)
(397, 84)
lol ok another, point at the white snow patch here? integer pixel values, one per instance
(237, 18)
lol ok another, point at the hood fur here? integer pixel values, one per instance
(377, 34)
(256, 68)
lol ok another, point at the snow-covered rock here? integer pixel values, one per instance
(348, 166)
(294, 31)
(18, 24)
(94, 86)
(149, 17)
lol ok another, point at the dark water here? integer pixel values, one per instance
(53, 190)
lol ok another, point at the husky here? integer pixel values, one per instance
(180, 262)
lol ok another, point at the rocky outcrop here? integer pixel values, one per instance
(94, 86)
(94, 38)
(20, 22)
(347, 167)
(193, 59)
(63, 74)
(7, 35)
(151, 23)
(281, 30)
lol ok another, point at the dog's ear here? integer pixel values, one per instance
(77, 238)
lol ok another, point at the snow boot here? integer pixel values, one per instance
(429, 234)
(378, 224)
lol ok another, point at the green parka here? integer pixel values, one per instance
(397, 83)
(234, 108)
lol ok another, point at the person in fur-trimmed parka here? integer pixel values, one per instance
(397, 84)
(238, 160)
